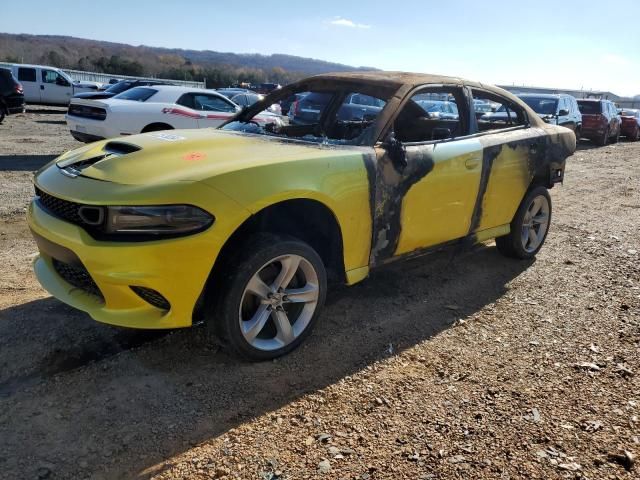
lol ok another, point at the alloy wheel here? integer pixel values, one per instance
(278, 302)
(535, 223)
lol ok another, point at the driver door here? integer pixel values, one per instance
(428, 199)
(55, 88)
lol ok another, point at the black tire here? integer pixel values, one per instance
(2, 114)
(616, 137)
(511, 245)
(604, 140)
(578, 133)
(256, 255)
(636, 136)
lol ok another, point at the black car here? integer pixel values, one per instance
(11, 94)
(356, 107)
(559, 109)
(117, 88)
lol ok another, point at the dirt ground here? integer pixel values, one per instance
(460, 366)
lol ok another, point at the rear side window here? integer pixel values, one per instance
(27, 74)
(590, 108)
(138, 94)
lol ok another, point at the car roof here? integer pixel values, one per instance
(543, 95)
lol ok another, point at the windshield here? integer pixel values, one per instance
(328, 117)
(119, 87)
(629, 113)
(542, 105)
(137, 94)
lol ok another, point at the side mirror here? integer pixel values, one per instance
(563, 112)
(396, 151)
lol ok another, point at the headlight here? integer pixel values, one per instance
(157, 220)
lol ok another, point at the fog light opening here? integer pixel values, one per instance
(152, 297)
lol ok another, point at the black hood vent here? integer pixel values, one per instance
(120, 148)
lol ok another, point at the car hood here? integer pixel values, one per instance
(183, 155)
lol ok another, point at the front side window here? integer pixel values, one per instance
(137, 94)
(27, 74)
(506, 114)
(431, 114)
(338, 116)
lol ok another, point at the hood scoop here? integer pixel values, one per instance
(73, 167)
(120, 148)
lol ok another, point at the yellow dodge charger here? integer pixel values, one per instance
(242, 226)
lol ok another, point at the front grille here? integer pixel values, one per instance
(151, 296)
(77, 276)
(86, 111)
(60, 208)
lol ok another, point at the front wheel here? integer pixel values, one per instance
(529, 226)
(272, 293)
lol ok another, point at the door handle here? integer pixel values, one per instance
(41, 87)
(472, 163)
(533, 148)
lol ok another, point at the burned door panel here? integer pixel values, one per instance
(428, 202)
(507, 173)
(439, 207)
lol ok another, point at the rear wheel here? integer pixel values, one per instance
(636, 136)
(604, 140)
(578, 132)
(529, 226)
(616, 137)
(271, 294)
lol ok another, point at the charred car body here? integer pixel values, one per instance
(241, 227)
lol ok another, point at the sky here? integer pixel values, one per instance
(553, 43)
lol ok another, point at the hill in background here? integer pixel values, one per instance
(218, 68)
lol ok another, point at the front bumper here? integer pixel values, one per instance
(177, 268)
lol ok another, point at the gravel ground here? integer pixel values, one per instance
(468, 366)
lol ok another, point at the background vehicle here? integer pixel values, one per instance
(148, 109)
(248, 99)
(242, 226)
(11, 95)
(560, 109)
(117, 88)
(233, 91)
(630, 126)
(265, 88)
(356, 107)
(152, 108)
(600, 121)
(49, 85)
(439, 108)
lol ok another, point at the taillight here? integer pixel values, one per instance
(296, 107)
(18, 88)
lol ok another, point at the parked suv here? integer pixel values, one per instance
(560, 109)
(630, 127)
(600, 120)
(11, 94)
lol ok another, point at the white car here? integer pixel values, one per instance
(149, 109)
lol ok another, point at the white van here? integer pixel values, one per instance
(48, 85)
